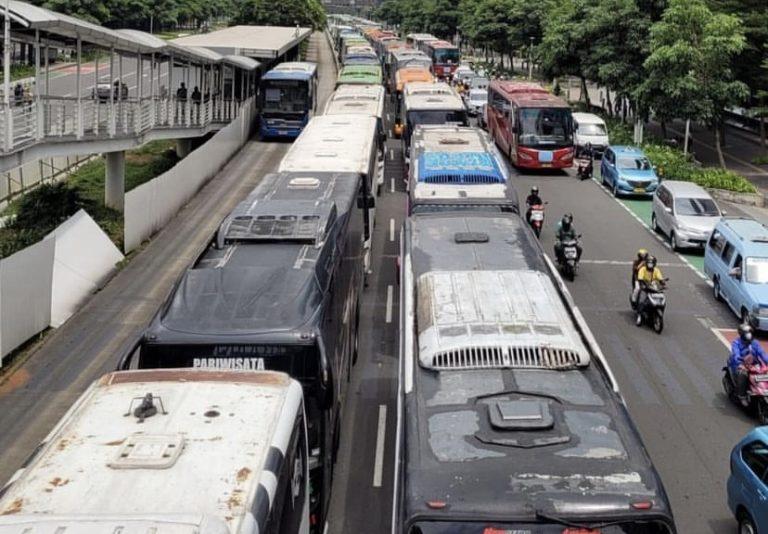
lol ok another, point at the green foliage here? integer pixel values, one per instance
(673, 165)
(283, 13)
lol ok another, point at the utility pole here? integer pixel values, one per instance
(530, 60)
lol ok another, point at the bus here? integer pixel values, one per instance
(367, 100)
(359, 74)
(170, 451)
(403, 59)
(428, 103)
(445, 58)
(510, 420)
(415, 40)
(458, 168)
(278, 288)
(288, 99)
(342, 144)
(531, 126)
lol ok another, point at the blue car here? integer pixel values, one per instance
(627, 171)
(747, 488)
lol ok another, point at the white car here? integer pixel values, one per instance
(589, 129)
(684, 212)
(475, 100)
(463, 74)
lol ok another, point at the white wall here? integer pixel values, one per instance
(151, 205)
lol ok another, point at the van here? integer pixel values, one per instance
(736, 260)
(590, 129)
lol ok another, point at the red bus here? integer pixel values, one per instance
(533, 127)
(444, 56)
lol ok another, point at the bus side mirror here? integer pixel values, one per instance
(365, 203)
(129, 359)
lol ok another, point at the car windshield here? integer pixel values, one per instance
(592, 129)
(757, 270)
(545, 127)
(446, 55)
(700, 207)
(479, 97)
(480, 83)
(286, 95)
(635, 163)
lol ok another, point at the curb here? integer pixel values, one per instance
(747, 199)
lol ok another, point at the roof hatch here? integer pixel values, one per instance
(281, 220)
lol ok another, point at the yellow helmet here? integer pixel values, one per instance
(642, 254)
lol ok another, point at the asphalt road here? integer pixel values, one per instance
(37, 392)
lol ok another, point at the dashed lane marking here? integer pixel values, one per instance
(391, 185)
(391, 229)
(378, 462)
(390, 292)
(623, 263)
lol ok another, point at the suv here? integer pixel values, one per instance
(627, 171)
(748, 482)
(684, 212)
(736, 260)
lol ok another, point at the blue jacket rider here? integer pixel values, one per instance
(744, 350)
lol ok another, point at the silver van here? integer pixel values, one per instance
(685, 213)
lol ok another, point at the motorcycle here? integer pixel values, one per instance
(757, 390)
(536, 218)
(651, 304)
(584, 164)
(569, 258)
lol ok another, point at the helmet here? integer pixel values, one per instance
(642, 254)
(650, 262)
(745, 333)
(535, 190)
(567, 220)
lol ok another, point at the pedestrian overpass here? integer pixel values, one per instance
(181, 92)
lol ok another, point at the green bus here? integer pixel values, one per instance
(360, 74)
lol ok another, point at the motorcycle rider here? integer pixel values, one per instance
(642, 255)
(647, 274)
(744, 351)
(533, 199)
(566, 232)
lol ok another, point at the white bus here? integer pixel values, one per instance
(429, 103)
(171, 451)
(341, 144)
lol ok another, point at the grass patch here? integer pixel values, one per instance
(762, 159)
(40, 211)
(22, 71)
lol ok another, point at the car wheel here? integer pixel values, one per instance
(616, 189)
(745, 316)
(716, 290)
(673, 242)
(654, 223)
(603, 182)
(746, 524)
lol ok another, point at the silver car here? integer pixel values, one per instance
(684, 212)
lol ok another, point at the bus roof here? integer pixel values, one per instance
(203, 462)
(352, 99)
(498, 430)
(441, 44)
(274, 287)
(333, 143)
(427, 96)
(292, 70)
(527, 95)
(421, 36)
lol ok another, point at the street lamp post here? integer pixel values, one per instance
(530, 60)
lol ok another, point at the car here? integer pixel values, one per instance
(748, 482)
(736, 261)
(589, 129)
(684, 212)
(627, 171)
(475, 101)
(463, 74)
(479, 82)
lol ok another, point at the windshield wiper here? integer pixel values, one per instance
(574, 524)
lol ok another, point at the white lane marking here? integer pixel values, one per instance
(391, 229)
(389, 117)
(392, 185)
(391, 154)
(390, 291)
(650, 231)
(623, 263)
(378, 462)
(719, 335)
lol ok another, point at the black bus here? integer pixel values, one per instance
(509, 421)
(278, 288)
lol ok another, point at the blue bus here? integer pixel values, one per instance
(288, 99)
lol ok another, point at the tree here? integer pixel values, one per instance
(689, 69)
(282, 13)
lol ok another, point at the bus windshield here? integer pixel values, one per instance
(634, 527)
(286, 96)
(416, 118)
(446, 55)
(545, 127)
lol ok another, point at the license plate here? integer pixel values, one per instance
(546, 165)
(639, 189)
(546, 156)
(537, 216)
(282, 132)
(570, 254)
